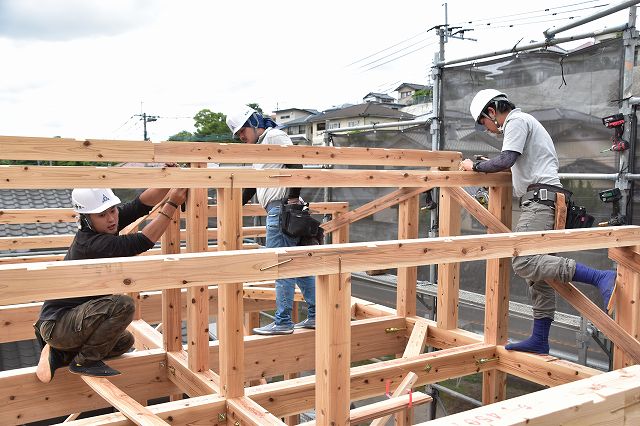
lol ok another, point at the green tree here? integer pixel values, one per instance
(210, 123)
(182, 136)
(256, 107)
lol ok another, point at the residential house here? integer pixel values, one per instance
(283, 116)
(406, 92)
(381, 98)
(356, 115)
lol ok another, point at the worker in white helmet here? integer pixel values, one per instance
(252, 127)
(527, 149)
(82, 331)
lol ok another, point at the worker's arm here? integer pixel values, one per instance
(502, 162)
(154, 230)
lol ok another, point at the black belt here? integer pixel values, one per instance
(544, 194)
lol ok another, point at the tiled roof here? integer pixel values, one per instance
(368, 109)
(35, 199)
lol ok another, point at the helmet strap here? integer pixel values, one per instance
(85, 222)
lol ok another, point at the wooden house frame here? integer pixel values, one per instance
(224, 379)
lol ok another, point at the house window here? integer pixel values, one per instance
(354, 123)
(284, 117)
(334, 125)
(322, 126)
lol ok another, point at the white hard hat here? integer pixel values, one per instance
(239, 116)
(93, 200)
(482, 99)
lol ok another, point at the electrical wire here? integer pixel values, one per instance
(492, 24)
(122, 125)
(397, 51)
(401, 56)
(387, 48)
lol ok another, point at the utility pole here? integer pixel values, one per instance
(146, 119)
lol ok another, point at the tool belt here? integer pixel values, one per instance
(544, 194)
(296, 221)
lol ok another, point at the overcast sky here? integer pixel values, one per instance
(83, 68)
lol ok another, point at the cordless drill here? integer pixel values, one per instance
(613, 196)
(616, 122)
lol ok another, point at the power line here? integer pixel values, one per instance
(402, 56)
(491, 24)
(397, 51)
(387, 48)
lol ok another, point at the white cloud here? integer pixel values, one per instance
(80, 68)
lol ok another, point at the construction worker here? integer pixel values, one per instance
(252, 127)
(527, 149)
(82, 331)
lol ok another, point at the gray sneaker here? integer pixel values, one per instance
(272, 329)
(308, 323)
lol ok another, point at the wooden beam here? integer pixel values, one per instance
(122, 402)
(35, 242)
(297, 395)
(609, 398)
(586, 307)
(197, 296)
(171, 298)
(389, 406)
(236, 153)
(404, 387)
(267, 293)
(333, 351)
(627, 314)
(496, 313)
(448, 273)
(65, 149)
(372, 207)
(192, 411)
(193, 383)
(230, 311)
(244, 411)
(407, 278)
(50, 215)
(29, 282)
(54, 177)
(143, 376)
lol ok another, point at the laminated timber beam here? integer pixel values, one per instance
(37, 281)
(55, 177)
(609, 398)
(192, 411)
(297, 395)
(144, 377)
(128, 406)
(64, 149)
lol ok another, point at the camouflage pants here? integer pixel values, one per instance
(94, 330)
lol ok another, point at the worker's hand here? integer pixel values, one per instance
(171, 165)
(178, 195)
(466, 165)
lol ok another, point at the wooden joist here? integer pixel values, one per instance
(37, 281)
(244, 411)
(128, 406)
(55, 177)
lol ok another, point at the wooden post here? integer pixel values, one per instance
(496, 313)
(197, 297)
(171, 300)
(408, 220)
(448, 273)
(333, 343)
(230, 307)
(627, 314)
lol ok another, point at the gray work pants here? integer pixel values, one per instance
(536, 268)
(94, 330)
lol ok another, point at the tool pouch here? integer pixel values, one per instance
(296, 221)
(577, 217)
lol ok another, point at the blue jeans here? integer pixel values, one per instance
(285, 287)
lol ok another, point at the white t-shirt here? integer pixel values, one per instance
(272, 136)
(538, 161)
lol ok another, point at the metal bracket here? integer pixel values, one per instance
(394, 329)
(482, 361)
(427, 368)
(222, 417)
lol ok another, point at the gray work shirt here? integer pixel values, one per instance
(271, 136)
(538, 162)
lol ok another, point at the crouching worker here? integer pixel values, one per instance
(82, 331)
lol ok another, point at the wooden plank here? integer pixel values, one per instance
(193, 383)
(545, 370)
(627, 314)
(333, 354)
(192, 411)
(609, 398)
(197, 296)
(627, 257)
(30, 282)
(407, 278)
(496, 313)
(448, 273)
(417, 340)
(144, 377)
(51, 215)
(316, 208)
(389, 406)
(16, 321)
(296, 396)
(53, 177)
(481, 214)
(230, 310)
(122, 402)
(171, 298)
(586, 307)
(146, 336)
(372, 207)
(64, 149)
(404, 387)
(561, 211)
(267, 293)
(243, 410)
(239, 153)
(35, 242)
